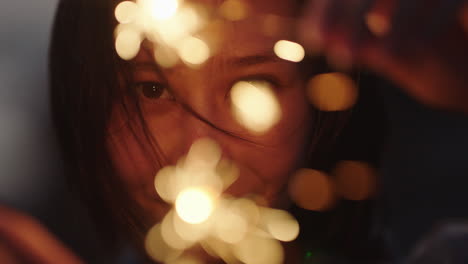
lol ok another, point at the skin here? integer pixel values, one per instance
(265, 161)
(276, 153)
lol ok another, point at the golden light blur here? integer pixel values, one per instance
(165, 183)
(355, 180)
(194, 205)
(204, 152)
(157, 249)
(127, 44)
(255, 105)
(228, 172)
(170, 236)
(234, 229)
(234, 10)
(312, 190)
(168, 24)
(126, 12)
(259, 250)
(288, 50)
(193, 51)
(281, 225)
(230, 227)
(159, 9)
(165, 56)
(332, 91)
(378, 24)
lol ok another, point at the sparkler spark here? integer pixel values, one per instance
(203, 214)
(255, 105)
(290, 51)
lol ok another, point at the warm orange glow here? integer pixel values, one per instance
(165, 56)
(193, 51)
(170, 235)
(157, 249)
(255, 105)
(355, 180)
(312, 190)
(258, 249)
(281, 225)
(127, 44)
(332, 92)
(126, 12)
(290, 51)
(194, 205)
(378, 24)
(160, 9)
(234, 10)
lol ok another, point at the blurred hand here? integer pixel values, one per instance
(24, 240)
(422, 45)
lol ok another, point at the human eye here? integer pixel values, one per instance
(151, 90)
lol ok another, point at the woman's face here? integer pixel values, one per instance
(265, 161)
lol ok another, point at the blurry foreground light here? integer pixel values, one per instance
(282, 225)
(157, 249)
(255, 105)
(126, 12)
(230, 227)
(193, 51)
(378, 24)
(259, 250)
(311, 190)
(127, 43)
(290, 51)
(355, 180)
(234, 10)
(169, 234)
(194, 206)
(160, 9)
(205, 152)
(332, 92)
(165, 56)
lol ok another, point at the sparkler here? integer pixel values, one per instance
(228, 227)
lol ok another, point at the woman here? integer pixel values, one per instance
(119, 122)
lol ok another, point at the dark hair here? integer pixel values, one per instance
(85, 84)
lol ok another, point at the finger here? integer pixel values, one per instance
(32, 242)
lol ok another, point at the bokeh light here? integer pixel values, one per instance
(165, 56)
(234, 10)
(288, 50)
(281, 225)
(160, 9)
(126, 12)
(127, 43)
(378, 24)
(355, 180)
(255, 105)
(193, 51)
(194, 205)
(157, 248)
(312, 190)
(170, 235)
(259, 250)
(233, 229)
(332, 91)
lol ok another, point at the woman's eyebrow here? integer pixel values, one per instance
(252, 60)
